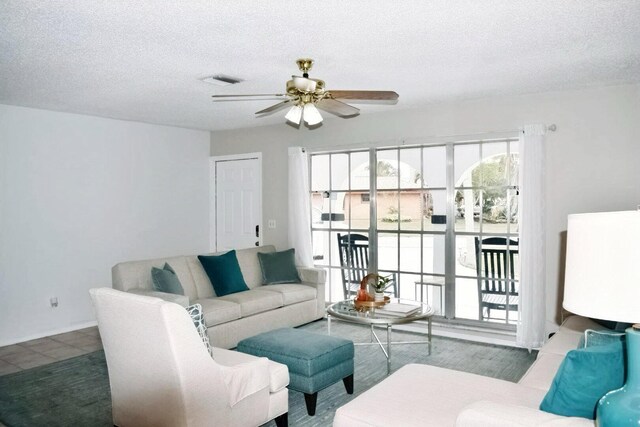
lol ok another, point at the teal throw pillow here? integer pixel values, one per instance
(195, 311)
(584, 376)
(165, 280)
(224, 273)
(593, 338)
(279, 267)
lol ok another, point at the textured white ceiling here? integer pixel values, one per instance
(141, 60)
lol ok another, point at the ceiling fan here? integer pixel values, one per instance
(306, 95)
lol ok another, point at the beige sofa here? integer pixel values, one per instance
(233, 317)
(423, 395)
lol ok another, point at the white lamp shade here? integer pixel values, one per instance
(311, 115)
(294, 115)
(602, 274)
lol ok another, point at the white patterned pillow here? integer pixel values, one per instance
(195, 311)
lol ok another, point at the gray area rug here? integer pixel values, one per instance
(75, 392)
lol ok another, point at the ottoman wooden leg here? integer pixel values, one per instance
(348, 383)
(310, 400)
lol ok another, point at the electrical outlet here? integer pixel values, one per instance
(54, 302)
(271, 223)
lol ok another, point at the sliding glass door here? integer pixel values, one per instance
(426, 213)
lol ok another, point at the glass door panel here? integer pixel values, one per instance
(467, 298)
(340, 171)
(388, 251)
(434, 210)
(388, 209)
(433, 253)
(320, 172)
(387, 170)
(410, 252)
(434, 164)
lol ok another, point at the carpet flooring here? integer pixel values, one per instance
(75, 392)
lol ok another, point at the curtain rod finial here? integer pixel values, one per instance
(552, 127)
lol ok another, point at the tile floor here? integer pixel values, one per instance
(29, 354)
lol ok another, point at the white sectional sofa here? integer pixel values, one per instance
(233, 317)
(423, 395)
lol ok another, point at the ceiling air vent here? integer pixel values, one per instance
(221, 80)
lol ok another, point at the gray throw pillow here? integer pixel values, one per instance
(195, 311)
(279, 267)
(166, 280)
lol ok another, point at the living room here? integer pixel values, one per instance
(107, 129)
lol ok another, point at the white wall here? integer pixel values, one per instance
(593, 158)
(79, 194)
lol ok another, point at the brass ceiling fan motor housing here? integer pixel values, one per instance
(305, 64)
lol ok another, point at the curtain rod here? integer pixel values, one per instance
(420, 140)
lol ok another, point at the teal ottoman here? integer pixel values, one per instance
(315, 361)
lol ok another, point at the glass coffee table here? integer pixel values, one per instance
(347, 311)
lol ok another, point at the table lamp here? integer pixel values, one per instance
(602, 281)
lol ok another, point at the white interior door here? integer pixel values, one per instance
(237, 202)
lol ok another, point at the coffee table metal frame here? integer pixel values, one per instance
(346, 311)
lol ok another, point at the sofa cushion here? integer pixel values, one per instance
(583, 378)
(165, 280)
(255, 301)
(202, 284)
(250, 266)
(279, 267)
(540, 375)
(495, 414)
(217, 311)
(293, 293)
(224, 273)
(418, 395)
(137, 274)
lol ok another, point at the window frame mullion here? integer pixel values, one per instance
(373, 211)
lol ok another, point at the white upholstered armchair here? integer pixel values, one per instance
(162, 375)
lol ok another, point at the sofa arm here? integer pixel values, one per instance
(315, 277)
(312, 276)
(182, 300)
(492, 414)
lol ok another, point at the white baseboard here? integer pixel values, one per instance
(49, 333)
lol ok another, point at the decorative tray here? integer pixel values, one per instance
(364, 305)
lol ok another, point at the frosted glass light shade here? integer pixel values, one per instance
(294, 115)
(311, 115)
(602, 273)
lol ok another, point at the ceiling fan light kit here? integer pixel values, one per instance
(307, 95)
(294, 115)
(311, 115)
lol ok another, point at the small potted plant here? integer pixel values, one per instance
(379, 285)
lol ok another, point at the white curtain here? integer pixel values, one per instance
(299, 209)
(531, 326)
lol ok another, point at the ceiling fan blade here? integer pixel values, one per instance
(250, 97)
(304, 84)
(274, 107)
(382, 95)
(338, 108)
